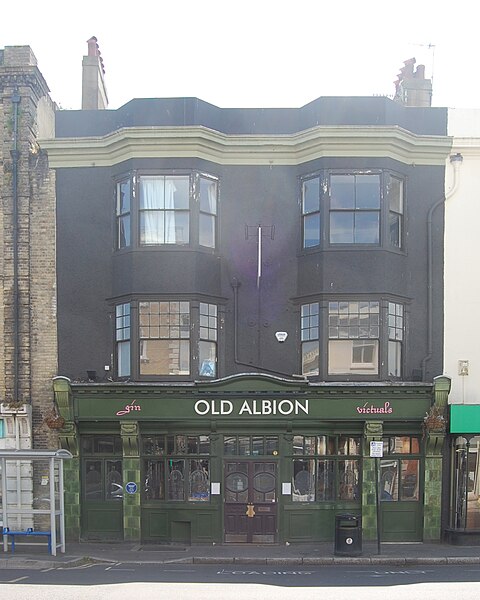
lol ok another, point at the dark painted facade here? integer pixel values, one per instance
(190, 240)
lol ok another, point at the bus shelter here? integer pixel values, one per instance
(32, 496)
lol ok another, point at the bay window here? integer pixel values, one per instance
(352, 338)
(354, 208)
(166, 210)
(166, 338)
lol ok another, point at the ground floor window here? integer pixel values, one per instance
(400, 474)
(173, 469)
(328, 468)
(466, 482)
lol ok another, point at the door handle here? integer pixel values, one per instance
(250, 511)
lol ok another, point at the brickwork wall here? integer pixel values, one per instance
(37, 355)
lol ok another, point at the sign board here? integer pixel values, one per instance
(376, 449)
(131, 487)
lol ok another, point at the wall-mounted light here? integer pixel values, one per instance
(281, 336)
(463, 367)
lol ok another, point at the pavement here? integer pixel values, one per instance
(35, 556)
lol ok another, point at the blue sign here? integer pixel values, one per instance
(131, 487)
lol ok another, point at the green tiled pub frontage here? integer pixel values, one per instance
(249, 459)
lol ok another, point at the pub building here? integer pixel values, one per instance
(246, 299)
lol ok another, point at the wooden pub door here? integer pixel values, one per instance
(250, 501)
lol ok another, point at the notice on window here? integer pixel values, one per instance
(376, 449)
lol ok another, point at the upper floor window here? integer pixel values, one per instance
(166, 338)
(123, 213)
(362, 208)
(161, 210)
(355, 337)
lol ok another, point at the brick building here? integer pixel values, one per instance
(28, 335)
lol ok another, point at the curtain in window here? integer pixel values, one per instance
(151, 201)
(170, 189)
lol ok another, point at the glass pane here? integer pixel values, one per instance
(114, 482)
(401, 444)
(326, 445)
(326, 480)
(151, 227)
(206, 231)
(181, 444)
(177, 192)
(230, 445)
(341, 228)
(264, 484)
(176, 227)
(123, 359)
(199, 481)
(192, 444)
(244, 445)
(236, 487)
(152, 193)
(415, 445)
(394, 359)
(176, 480)
(395, 230)
(367, 227)
(311, 195)
(388, 480)
(298, 444)
(208, 196)
(310, 444)
(93, 480)
(154, 484)
(410, 487)
(342, 191)
(311, 230)
(395, 194)
(367, 191)
(303, 481)
(123, 197)
(123, 231)
(348, 474)
(271, 445)
(207, 358)
(258, 446)
(204, 444)
(310, 358)
(165, 357)
(358, 357)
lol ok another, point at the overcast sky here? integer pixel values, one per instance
(253, 53)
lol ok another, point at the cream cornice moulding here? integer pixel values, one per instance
(208, 144)
(466, 146)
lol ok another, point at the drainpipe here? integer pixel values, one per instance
(456, 161)
(16, 311)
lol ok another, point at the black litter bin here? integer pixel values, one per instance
(348, 535)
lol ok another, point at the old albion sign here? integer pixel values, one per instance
(252, 407)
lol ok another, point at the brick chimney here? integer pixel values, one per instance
(411, 87)
(94, 92)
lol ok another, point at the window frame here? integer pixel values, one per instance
(175, 452)
(195, 337)
(326, 210)
(196, 210)
(325, 450)
(383, 341)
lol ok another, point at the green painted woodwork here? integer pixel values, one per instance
(71, 481)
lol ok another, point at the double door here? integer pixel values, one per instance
(250, 497)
